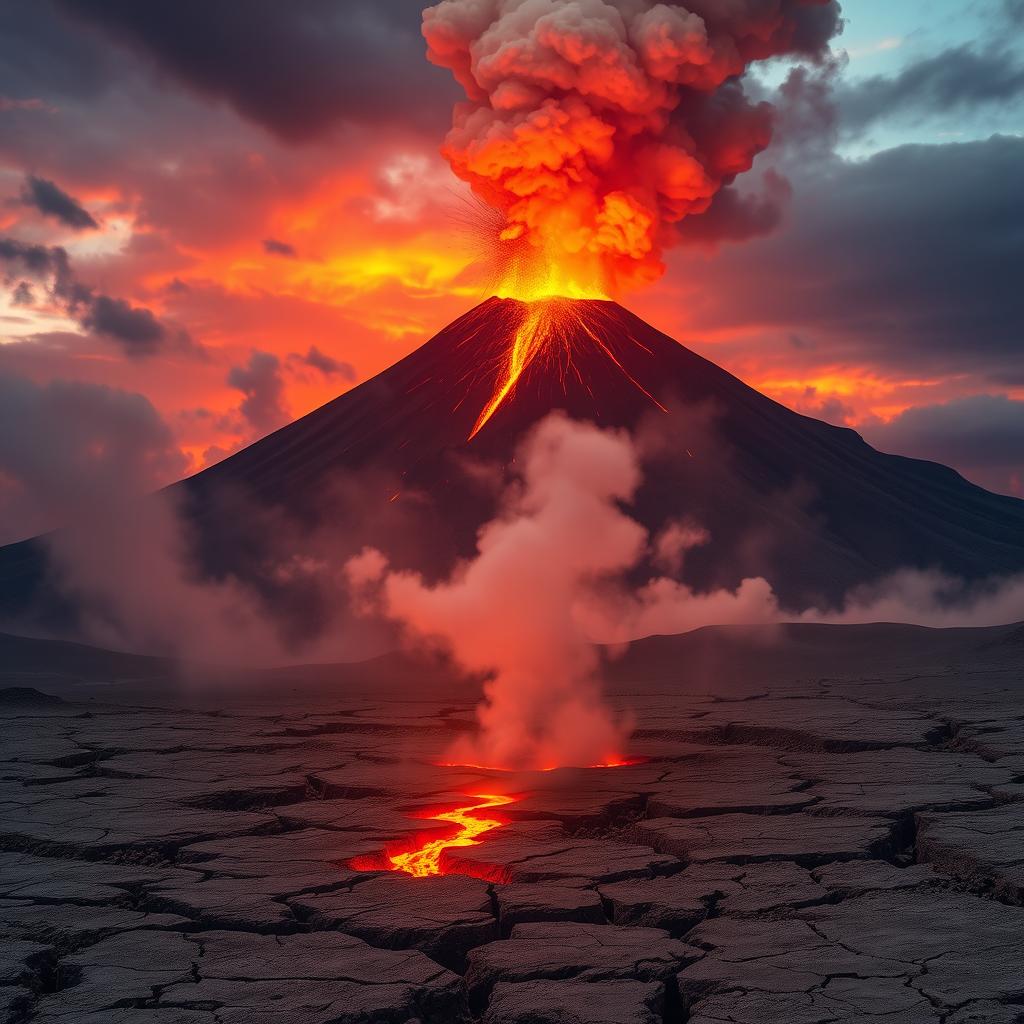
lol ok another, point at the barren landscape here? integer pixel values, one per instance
(800, 848)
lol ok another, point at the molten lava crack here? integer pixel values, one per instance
(426, 860)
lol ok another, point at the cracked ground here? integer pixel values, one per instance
(799, 851)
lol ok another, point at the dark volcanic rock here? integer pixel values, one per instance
(582, 951)
(748, 838)
(150, 874)
(323, 978)
(576, 1002)
(983, 848)
(525, 903)
(445, 916)
(25, 696)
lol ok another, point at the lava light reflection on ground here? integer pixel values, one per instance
(610, 763)
(427, 859)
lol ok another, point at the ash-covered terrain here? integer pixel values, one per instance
(800, 846)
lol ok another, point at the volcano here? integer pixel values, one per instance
(411, 461)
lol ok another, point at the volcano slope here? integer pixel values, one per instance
(405, 462)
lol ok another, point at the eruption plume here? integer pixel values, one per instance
(595, 126)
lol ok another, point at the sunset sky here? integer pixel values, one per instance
(256, 218)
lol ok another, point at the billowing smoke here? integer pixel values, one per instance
(595, 127)
(555, 576)
(545, 584)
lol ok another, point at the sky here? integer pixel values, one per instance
(215, 218)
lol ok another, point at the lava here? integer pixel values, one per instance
(426, 860)
(536, 331)
(551, 327)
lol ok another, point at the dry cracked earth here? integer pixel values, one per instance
(799, 853)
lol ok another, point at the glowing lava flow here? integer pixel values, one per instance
(427, 859)
(536, 330)
(551, 327)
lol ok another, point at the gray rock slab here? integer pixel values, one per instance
(982, 848)
(748, 838)
(576, 1002)
(322, 977)
(443, 915)
(526, 902)
(546, 853)
(557, 951)
(898, 781)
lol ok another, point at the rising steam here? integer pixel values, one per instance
(554, 576)
(544, 586)
(595, 126)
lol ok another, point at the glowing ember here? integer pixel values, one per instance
(426, 860)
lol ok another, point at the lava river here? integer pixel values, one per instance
(426, 860)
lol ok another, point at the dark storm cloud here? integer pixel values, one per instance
(261, 383)
(41, 52)
(47, 263)
(326, 364)
(135, 328)
(955, 79)
(66, 447)
(52, 201)
(273, 247)
(737, 217)
(295, 68)
(910, 258)
(983, 435)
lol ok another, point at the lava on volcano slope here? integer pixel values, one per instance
(550, 331)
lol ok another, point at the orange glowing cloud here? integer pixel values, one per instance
(593, 126)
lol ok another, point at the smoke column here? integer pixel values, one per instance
(545, 585)
(595, 126)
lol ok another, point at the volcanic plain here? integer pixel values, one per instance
(823, 824)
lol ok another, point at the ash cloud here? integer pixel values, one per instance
(52, 201)
(595, 128)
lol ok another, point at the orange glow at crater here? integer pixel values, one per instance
(549, 330)
(610, 762)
